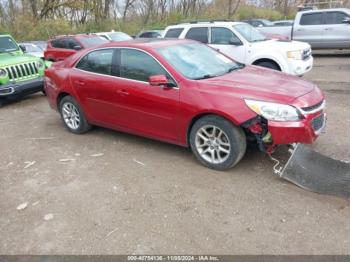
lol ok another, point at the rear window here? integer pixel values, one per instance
(311, 19)
(58, 43)
(198, 33)
(92, 41)
(174, 33)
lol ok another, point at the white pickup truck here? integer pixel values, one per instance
(245, 44)
(322, 29)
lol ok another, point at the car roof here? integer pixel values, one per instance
(77, 36)
(326, 10)
(148, 43)
(200, 24)
(110, 32)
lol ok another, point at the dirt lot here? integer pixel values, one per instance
(111, 193)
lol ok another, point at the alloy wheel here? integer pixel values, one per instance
(71, 115)
(212, 144)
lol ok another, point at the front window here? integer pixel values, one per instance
(137, 65)
(198, 61)
(7, 45)
(250, 33)
(119, 36)
(92, 41)
(223, 36)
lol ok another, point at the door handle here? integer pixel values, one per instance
(123, 92)
(79, 83)
(328, 28)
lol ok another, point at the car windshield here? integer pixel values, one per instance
(267, 22)
(119, 36)
(92, 41)
(32, 48)
(250, 33)
(198, 61)
(7, 45)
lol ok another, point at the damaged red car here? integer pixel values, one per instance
(185, 93)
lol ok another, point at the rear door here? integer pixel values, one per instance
(225, 41)
(95, 86)
(311, 29)
(145, 109)
(200, 34)
(337, 33)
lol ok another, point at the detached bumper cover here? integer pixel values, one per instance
(22, 88)
(305, 131)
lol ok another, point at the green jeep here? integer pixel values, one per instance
(20, 74)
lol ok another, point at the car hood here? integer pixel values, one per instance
(258, 83)
(7, 59)
(284, 45)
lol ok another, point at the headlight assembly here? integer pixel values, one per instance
(3, 72)
(39, 64)
(274, 111)
(298, 55)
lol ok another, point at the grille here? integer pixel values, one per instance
(311, 108)
(22, 71)
(317, 122)
(306, 54)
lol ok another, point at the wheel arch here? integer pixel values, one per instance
(60, 96)
(203, 114)
(260, 60)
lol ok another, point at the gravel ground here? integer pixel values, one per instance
(107, 192)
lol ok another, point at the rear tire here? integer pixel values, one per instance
(73, 116)
(269, 64)
(217, 143)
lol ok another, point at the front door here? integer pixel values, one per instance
(148, 110)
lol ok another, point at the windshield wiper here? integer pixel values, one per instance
(205, 77)
(236, 67)
(258, 40)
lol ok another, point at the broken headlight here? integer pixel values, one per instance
(274, 111)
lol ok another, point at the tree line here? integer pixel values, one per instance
(40, 19)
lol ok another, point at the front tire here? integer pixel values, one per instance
(217, 143)
(72, 116)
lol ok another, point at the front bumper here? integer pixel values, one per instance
(22, 88)
(300, 67)
(305, 131)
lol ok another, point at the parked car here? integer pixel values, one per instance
(283, 23)
(186, 93)
(62, 47)
(32, 49)
(322, 29)
(150, 34)
(115, 36)
(258, 22)
(41, 44)
(247, 45)
(20, 74)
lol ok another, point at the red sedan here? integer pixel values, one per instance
(183, 92)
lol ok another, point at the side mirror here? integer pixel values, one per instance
(346, 20)
(23, 48)
(77, 47)
(235, 42)
(158, 80)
